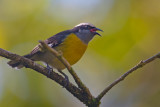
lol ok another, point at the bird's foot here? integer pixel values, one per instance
(66, 78)
(49, 70)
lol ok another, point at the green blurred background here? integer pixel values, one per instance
(131, 33)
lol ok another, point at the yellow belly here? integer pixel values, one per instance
(72, 48)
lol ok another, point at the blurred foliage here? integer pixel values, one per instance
(3, 39)
(131, 33)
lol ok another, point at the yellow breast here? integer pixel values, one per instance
(72, 48)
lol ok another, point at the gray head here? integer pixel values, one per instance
(86, 31)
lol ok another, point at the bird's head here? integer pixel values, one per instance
(86, 31)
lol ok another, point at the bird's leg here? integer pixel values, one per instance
(65, 76)
(49, 69)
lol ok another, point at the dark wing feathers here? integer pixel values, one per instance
(53, 41)
(34, 50)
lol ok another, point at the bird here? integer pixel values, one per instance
(72, 43)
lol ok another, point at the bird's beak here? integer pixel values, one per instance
(97, 29)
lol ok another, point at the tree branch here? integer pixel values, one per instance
(139, 65)
(78, 93)
(82, 93)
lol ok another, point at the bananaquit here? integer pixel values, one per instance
(72, 43)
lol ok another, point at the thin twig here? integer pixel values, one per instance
(59, 55)
(139, 65)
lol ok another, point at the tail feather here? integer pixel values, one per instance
(17, 64)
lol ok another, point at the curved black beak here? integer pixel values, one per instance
(98, 30)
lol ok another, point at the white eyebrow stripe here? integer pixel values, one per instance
(85, 24)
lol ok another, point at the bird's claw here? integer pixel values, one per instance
(66, 78)
(49, 70)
